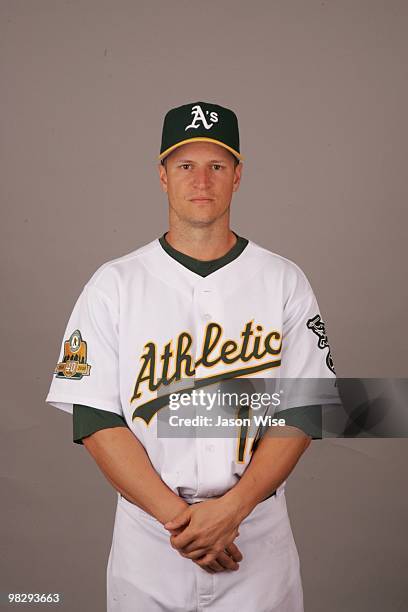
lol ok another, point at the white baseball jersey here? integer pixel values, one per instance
(145, 322)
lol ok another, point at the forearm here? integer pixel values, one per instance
(271, 463)
(125, 464)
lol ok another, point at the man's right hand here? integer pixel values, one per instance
(227, 560)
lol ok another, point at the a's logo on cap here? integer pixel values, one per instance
(199, 115)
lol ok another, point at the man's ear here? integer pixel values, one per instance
(237, 177)
(162, 176)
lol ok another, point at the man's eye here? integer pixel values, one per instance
(218, 166)
(184, 165)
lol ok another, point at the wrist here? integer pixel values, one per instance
(172, 509)
(239, 504)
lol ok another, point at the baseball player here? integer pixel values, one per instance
(201, 522)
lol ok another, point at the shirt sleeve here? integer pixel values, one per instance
(307, 371)
(305, 348)
(87, 369)
(87, 420)
(306, 418)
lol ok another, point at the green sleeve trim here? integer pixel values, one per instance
(88, 420)
(306, 418)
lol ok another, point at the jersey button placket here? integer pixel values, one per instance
(203, 302)
(206, 303)
(198, 340)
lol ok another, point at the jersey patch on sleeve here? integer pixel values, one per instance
(316, 324)
(73, 364)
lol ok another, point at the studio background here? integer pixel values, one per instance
(320, 90)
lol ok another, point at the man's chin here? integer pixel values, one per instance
(201, 221)
(205, 219)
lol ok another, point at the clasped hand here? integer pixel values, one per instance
(205, 533)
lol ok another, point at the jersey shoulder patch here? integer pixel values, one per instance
(74, 362)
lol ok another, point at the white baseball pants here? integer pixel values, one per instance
(145, 574)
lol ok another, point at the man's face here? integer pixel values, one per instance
(199, 179)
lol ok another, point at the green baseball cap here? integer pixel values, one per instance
(200, 121)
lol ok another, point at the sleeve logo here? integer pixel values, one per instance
(317, 326)
(73, 364)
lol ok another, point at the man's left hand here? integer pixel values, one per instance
(207, 529)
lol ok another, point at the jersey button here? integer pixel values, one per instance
(207, 316)
(210, 448)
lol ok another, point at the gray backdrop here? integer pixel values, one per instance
(320, 89)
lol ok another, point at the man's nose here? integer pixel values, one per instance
(202, 177)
